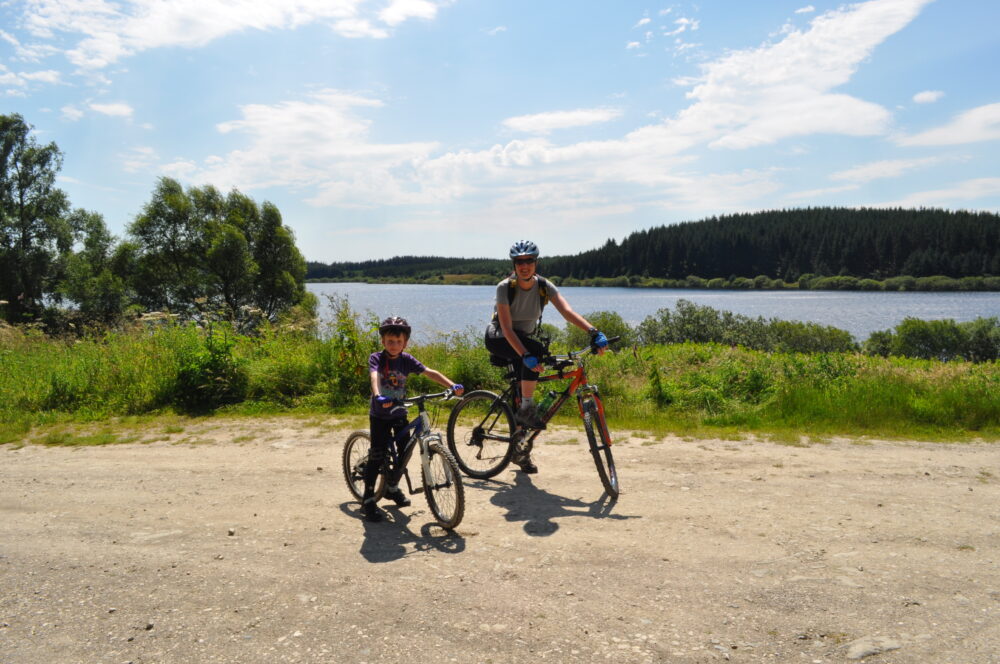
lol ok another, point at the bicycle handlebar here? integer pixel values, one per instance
(570, 358)
(409, 402)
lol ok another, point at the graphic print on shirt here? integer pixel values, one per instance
(392, 383)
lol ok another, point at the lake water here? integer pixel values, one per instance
(433, 309)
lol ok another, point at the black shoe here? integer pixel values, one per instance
(527, 466)
(397, 496)
(371, 512)
(528, 418)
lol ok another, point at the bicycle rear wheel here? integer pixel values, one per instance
(600, 447)
(480, 434)
(356, 452)
(444, 490)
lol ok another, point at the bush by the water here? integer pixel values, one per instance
(977, 340)
(692, 322)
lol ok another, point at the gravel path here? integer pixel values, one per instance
(235, 541)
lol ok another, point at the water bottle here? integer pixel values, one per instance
(545, 402)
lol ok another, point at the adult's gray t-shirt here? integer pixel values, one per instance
(526, 308)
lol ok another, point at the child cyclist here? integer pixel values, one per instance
(388, 369)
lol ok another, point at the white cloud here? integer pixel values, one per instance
(24, 79)
(683, 25)
(890, 168)
(358, 28)
(497, 30)
(29, 53)
(107, 31)
(401, 10)
(71, 113)
(632, 45)
(808, 9)
(973, 126)
(642, 21)
(762, 95)
(543, 123)
(180, 169)
(820, 193)
(954, 196)
(48, 76)
(116, 109)
(927, 96)
(140, 159)
(319, 144)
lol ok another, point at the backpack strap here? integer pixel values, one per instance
(543, 294)
(543, 289)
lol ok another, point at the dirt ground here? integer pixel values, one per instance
(236, 541)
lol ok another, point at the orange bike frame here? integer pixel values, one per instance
(579, 377)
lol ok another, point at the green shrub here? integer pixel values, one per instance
(609, 322)
(702, 324)
(977, 340)
(211, 377)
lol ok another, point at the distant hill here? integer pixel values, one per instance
(864, 243)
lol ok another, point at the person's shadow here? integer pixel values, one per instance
(387, 540)
(540, 509)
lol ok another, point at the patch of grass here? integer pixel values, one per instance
(194, 442)
(788, 438)
(244, 439)
(561, 441)
(65, 438)
(173, 428)
(14, 432)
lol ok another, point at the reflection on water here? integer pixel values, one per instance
(436, 309)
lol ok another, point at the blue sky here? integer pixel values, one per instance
(454, 127)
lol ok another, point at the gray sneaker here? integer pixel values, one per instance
(524, 461)
(527, 417)
(397, 496)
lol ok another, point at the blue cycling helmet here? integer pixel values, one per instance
(524, 248)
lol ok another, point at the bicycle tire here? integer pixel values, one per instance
(357, 448)
(480, 434)
(600, 447)
(444, 490)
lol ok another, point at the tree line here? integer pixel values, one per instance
(189, 252)
(865, 243)
(797, 246)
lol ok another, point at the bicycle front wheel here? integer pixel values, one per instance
(443, 488)
(480, 434)
(355, 458)
(600, 447)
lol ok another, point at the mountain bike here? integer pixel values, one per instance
(482, 434)
(441, 480)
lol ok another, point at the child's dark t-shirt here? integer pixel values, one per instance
(392, 373)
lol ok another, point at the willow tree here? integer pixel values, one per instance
(199, 251)
(35, 235)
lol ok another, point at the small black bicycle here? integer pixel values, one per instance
(441, 480)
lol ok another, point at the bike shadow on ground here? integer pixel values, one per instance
(392, 539)
(540, 509)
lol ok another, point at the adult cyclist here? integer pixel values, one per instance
(512, 333)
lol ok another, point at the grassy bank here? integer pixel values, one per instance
(690, 388)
